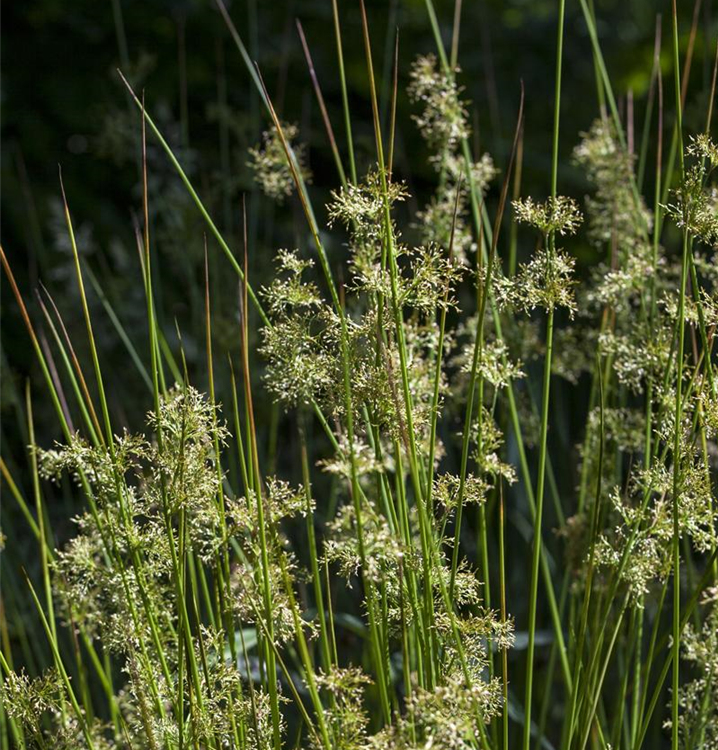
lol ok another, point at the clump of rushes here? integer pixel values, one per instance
(206, 601)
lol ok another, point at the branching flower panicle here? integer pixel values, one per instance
(616, 213)
(443, 122)
(268, 161)
(559, 215)
(545, 282)
(696, 202)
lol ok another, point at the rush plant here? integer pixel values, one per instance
(367, 596)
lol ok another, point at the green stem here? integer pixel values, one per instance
(543, 448)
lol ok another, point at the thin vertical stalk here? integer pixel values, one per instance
(345, 96)
(677, 424)
(545, 400)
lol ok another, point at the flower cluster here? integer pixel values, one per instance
(559, 215)
(696, 201)
(269, 163)
(698, 697)
(443, 122)
(546, 282)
